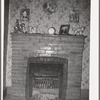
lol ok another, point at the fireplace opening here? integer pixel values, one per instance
(46, 76)
(46, 80)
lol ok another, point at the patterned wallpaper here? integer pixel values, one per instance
(42, 21)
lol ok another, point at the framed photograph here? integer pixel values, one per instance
(64, 30)
(74, 16)
(25, 14)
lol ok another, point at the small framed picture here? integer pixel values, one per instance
(64, 29)
(74, 16)
(25, 14)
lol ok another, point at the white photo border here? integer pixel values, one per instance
(94, 50)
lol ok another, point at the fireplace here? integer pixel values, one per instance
(46, 76)
(47, 64)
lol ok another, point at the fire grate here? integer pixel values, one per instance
(46, 83)
(46, 76)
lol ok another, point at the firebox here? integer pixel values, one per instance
(46, 78)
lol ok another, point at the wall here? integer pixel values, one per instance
(43, 22)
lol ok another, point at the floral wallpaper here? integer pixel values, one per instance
(42, 21)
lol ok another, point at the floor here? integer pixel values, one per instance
(84, 96)
(10, 97)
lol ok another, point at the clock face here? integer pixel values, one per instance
(51, 30)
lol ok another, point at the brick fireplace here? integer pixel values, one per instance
(33, 52)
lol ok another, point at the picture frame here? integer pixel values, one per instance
(64, 29)
(50, 7)
(25, 14)
(74, 16)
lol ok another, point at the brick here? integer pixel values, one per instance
(17, 50)
(56, 48)
(45, 41)
(13, 92)
(57, 39)
(48, 55)
(53, 44)
(45, 37)
(17, 46)
(18, 59)
(40, 51)
(17, 69)
(20, 64)
(75, 69)
(34, 48)
(34, 54)
(15, 76)
(18, 85)
(18, 43)
(60, 55)
(51, 52)
(62, 52)
(39, 37)
(39, 44)
(45, 48)
(18, 82)
(73, 78)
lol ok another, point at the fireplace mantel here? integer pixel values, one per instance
(25, 46)
(41, 34)
(47, 35)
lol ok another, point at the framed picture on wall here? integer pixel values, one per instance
(74, 16)
(25, 14)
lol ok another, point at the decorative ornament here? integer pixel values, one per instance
(25, 14)
(79, 30)
(52, 30)
(74, 16)
(49, 7)
(17, 26)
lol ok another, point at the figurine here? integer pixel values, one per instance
(79, 30)
(17, 26)
(23, 28)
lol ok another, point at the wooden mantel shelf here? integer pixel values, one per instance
(48, 35)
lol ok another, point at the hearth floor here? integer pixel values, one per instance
(11, 97)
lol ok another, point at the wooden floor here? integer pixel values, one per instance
(10, 97)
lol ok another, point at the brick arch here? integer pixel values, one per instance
(47, 60)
